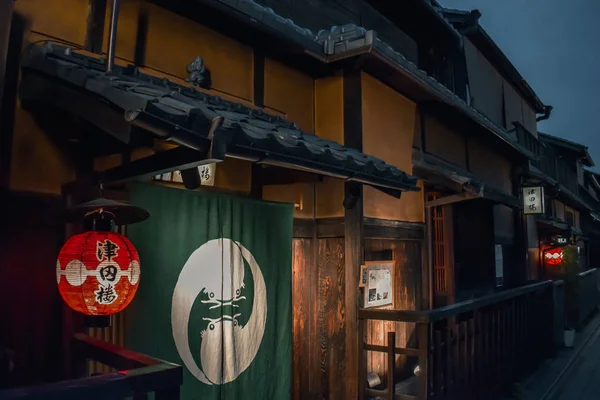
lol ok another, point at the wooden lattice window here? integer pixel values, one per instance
(439, 243)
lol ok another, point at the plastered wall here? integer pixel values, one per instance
(388, 133)
(65, 21)
(489, 90)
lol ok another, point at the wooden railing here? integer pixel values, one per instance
(559, 313)
(468, 349)
(527, 139)
(138, 376)
(587, 294)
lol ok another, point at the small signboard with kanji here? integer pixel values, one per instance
(207, 175)
(533, 200)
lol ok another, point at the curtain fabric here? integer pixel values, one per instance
(215, 291)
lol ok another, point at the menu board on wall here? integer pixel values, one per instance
(379, 287)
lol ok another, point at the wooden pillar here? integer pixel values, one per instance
(521, 238)
(12, 32)
(353, 230)
(83, 189)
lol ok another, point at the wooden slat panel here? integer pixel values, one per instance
(330, 328)
(301, 298)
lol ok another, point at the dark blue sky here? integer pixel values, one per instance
(555, 45)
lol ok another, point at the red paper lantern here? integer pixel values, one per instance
(554, 256)
(98, 272)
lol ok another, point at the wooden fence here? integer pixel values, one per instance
(137, 376)
(559, 313)
(468, 349)
(587, 294)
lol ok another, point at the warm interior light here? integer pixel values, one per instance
(299, 203)
(553, 256)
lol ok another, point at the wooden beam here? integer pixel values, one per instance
(455, 198)
(177, 159)
(141, 36)
(303, 228)
(95, 26)
(259, 78)
(331, 228)
(354, 239)
(384, 229)
(285, 176)
(373, 228)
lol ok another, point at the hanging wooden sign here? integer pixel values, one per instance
(206, 172)
(533, 200)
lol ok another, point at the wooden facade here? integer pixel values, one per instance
(440, 239)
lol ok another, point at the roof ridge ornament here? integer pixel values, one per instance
(198, 74)
(339, 39)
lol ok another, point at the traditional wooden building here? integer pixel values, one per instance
(399, 132)
(478, 170)
(90, 122)
(569, 197)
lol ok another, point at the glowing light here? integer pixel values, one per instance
(554, 256)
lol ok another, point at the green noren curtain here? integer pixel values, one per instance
(215, 291)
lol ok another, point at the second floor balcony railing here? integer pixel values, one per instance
(549, 162)
(527, 140)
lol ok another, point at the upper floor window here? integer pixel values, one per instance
(570, 218)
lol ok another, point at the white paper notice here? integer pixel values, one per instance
(379, 286)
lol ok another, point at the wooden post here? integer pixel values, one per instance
(423, 340)
(12, 33)
(95, 26)
(353, 230)
(391, 337)
(362, 359)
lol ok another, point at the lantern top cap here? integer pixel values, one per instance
(124, 214)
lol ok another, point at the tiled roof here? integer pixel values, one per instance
(340, 39)
(188, 111)
(463, 20)
(565, 143)
(539, 174)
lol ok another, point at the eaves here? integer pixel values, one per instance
(563, 192)
(58, 77)
(467, 22)
(352, 43)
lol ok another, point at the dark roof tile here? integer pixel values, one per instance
(347, 37)
(254, 132)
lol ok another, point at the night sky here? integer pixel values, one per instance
(555, 45)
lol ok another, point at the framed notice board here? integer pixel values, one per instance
(379, 285)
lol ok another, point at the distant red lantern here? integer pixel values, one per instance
(98, 272)
(554, 256)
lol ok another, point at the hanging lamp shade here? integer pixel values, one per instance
(98, 272)
(123, 213)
